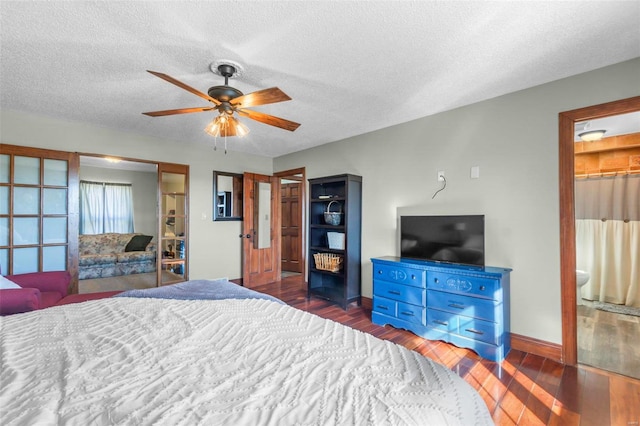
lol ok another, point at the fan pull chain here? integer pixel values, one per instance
(215, 142)
(226, 125)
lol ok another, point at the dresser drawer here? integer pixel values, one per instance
(477, 329)
(399, 292)
(483, 287)
(384, 306)
(458, 304)
(411, 313)
(400, 274)
(442, 320)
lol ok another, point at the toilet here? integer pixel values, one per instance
(582, 277)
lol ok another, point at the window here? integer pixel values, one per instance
(106, 207)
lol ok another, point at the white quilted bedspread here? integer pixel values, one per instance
(230, 362)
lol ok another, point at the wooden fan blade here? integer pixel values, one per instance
(261, 97)
(184, 86)
(269, 119)
(177, 111)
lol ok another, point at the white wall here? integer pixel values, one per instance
(215, 249)
(144, 187)
(514, 141)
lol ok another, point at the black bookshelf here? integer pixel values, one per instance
(340, 195)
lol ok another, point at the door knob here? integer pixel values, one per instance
(244, 236)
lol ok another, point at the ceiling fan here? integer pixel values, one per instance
(228, 100)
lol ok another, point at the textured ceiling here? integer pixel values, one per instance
(350, 67)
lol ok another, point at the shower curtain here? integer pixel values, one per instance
(608, 237)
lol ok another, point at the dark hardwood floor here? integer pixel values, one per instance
(525, 389)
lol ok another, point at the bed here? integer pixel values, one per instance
(211, 359)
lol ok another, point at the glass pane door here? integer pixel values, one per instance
(34, 210)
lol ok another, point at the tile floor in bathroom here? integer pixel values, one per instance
(608, 340)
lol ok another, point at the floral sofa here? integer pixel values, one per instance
(112, 254)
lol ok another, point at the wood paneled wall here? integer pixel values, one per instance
(609, 155)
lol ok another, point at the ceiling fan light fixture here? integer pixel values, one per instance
(241, 129)
(226, 125)
(592, 135)
(214, 127)
(219, 126)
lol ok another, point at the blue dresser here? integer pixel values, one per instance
(466, 306)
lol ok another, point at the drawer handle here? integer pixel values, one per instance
(441, 322)
(397, 293)
(379, 271)
(384, 308)
(471, 330)
(413, 277)
(456, 305)
(407, 313)
(482, 288)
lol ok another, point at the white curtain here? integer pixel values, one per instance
(106, 207)
(91, 207)
(608, 238)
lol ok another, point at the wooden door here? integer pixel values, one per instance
(291, 225)
(261, 225)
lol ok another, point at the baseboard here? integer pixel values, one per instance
(536, 347)
(366, 303)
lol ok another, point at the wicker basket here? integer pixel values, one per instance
(328, 262)
(333, 218)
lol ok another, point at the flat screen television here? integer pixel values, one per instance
(447, 239)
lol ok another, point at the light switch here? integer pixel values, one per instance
(475, 172)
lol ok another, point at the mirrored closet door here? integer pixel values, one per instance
(173, 232)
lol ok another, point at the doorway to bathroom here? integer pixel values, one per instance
(607, 223)
(600, 229)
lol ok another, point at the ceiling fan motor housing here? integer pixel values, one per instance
(224, 93)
